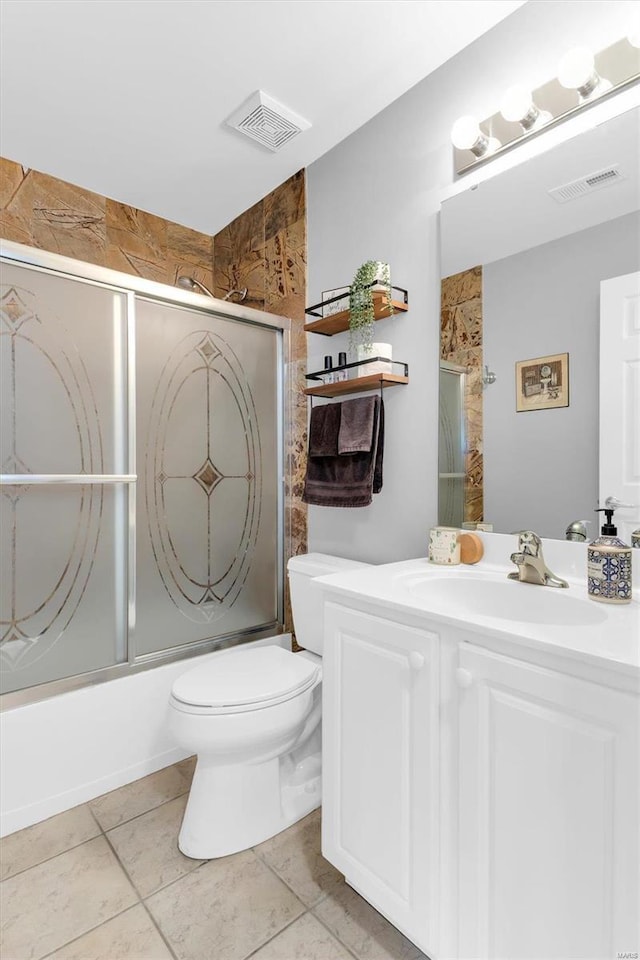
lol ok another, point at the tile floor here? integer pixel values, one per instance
(106, 881)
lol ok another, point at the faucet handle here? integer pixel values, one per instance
(577, 530)
(612, 503)
(529, 542)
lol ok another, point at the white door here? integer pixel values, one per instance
(380, 765)
(620, 398)
(548, 842)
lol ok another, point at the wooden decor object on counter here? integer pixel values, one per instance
(471, 548)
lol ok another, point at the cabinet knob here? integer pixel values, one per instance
(464, 678)
(416, 660)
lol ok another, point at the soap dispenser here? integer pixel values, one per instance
(609, 565)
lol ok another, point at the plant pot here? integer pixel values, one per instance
(377, 350)
(372, 275)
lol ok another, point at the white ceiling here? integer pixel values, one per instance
(128, 97)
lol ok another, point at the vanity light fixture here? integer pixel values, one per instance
(577, 71)
(584, 77)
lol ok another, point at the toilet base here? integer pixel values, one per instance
(232, 808)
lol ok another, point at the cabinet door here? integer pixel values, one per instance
(380, 780)
(548, 855)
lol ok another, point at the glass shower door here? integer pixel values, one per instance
(208, 546)
(65, 476)
(451, 452)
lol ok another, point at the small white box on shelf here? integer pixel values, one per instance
(377, 350)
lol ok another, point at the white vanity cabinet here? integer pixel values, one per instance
(480, 792)
(380, 764)
(548, 812)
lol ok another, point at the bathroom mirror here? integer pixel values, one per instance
(523, 255)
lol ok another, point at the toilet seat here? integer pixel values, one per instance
(244, 680)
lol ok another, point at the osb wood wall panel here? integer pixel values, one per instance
(461, 343)
(264, 249)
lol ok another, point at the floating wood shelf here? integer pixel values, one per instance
(339, 322)
(372, 381)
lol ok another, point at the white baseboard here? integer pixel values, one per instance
(17, 819)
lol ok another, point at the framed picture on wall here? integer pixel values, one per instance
(338, 305)
(542, 383)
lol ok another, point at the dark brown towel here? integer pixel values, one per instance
(323, 430)
(348, 480)
(377, 470)
(356, 425)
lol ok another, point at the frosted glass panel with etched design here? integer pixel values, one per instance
(62, 356)
(62, 593)
(207, 510)
(63, 412)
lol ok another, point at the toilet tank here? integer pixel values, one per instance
(306, 602)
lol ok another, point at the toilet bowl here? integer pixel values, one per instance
(253, 717)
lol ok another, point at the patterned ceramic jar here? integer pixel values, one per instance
(609, 570)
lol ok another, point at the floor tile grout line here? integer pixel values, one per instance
(144, 897)
(123, 868)
(324, 893)
(75, 846)
(157, 926)
(177, 880)
(90, 930)
(93, 816)
(103, 832)
(290, 924)
(259, 856)
(308, 909)
(121, 823)
(335, 935)
(281, 879)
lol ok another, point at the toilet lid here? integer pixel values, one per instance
(246, 677)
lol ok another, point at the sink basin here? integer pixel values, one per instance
(505, 600)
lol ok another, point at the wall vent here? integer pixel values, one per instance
(268, 122)
(593, 181)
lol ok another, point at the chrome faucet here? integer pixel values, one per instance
(530, 562)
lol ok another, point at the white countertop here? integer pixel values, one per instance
(611, 639)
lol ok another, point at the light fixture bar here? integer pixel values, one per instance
(583, 79)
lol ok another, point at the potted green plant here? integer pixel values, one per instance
(361, 306)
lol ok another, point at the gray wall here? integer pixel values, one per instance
(377, 196)
(541, 467)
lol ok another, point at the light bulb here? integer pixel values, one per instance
(575, 68)
(467, 135)
(465, 132)
(576, 71)
(518, 107)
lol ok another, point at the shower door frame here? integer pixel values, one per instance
(130, 286)
(462, 373)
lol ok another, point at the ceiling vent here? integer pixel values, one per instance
(268, 122)
(594, 181)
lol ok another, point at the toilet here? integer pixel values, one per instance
(252, 715)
